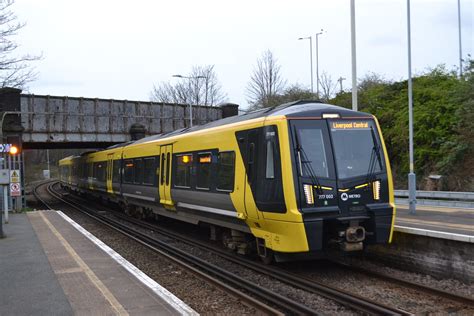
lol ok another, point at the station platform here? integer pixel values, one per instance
(437, 221)
(49, 265)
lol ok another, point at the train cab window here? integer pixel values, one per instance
(128, 171)
(149, 170)
(270, 162)
(138, 174)
(315, 159)
(184, 164)
(225, 171)
(204, 170)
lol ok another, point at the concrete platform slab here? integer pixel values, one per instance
(95, 279)
(28, 285)
(49, 265)
(438, 222)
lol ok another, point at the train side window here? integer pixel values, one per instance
(184, 164)
(116, 171)
(90, 169)
(128, 171)
(204, 170)
(149, 170)
(162, 175)
(226, 171)
(270, 163)
(138, 174)
(168, 168)
(156, 173)
(95, 171)
(100, 171)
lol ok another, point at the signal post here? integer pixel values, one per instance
(10, 180)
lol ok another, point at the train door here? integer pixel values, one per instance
(248, 145)
(164, 183)
(110, 164)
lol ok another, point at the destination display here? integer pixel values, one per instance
(350, 125)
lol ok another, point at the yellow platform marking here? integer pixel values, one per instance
(85, 268)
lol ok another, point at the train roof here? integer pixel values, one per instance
(301, 108)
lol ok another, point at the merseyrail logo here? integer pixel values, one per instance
(349, 125)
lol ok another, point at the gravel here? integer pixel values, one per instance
(205, 298)
(405, 298)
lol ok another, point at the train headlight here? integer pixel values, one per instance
(376, 189)
(308, 193)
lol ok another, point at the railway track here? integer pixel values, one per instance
(345, 298)
(342, 297)
(409, 284)
(207, 271)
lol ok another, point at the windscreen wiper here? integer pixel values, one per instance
(375, 154)
(307, 164)
(376, 147)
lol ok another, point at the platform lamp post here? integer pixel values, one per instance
(190, 105)
(317, 62)
(411, 175)
(353, 57)
(459, 34)
(310, 57)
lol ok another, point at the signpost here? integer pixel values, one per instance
(15, 189)
(4, 182)
(10, 177)
(15, 176)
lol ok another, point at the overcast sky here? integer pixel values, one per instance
(119, 49)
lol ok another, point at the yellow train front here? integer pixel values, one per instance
(288, 182)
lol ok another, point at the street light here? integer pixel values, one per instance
(353, 57)
(190, 105)
(310, 57)
(317, 63)
(459, 32)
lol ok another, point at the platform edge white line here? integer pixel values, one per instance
(169, 297)
(435, 233)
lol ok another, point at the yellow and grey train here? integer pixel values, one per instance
(288, 182)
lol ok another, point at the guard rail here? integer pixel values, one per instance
(438, 198)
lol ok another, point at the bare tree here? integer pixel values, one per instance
(328, 86)
(15, 71)
(200, 87)
(371, 80)
(266, 82)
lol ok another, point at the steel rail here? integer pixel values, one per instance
(340, 296)
(417, 286)
(197, 266)
(38, 196)
(325, 290)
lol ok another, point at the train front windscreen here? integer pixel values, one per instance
(357, 150)
(341, 160)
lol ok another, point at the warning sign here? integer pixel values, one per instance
(15, 189)
(15, 176)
